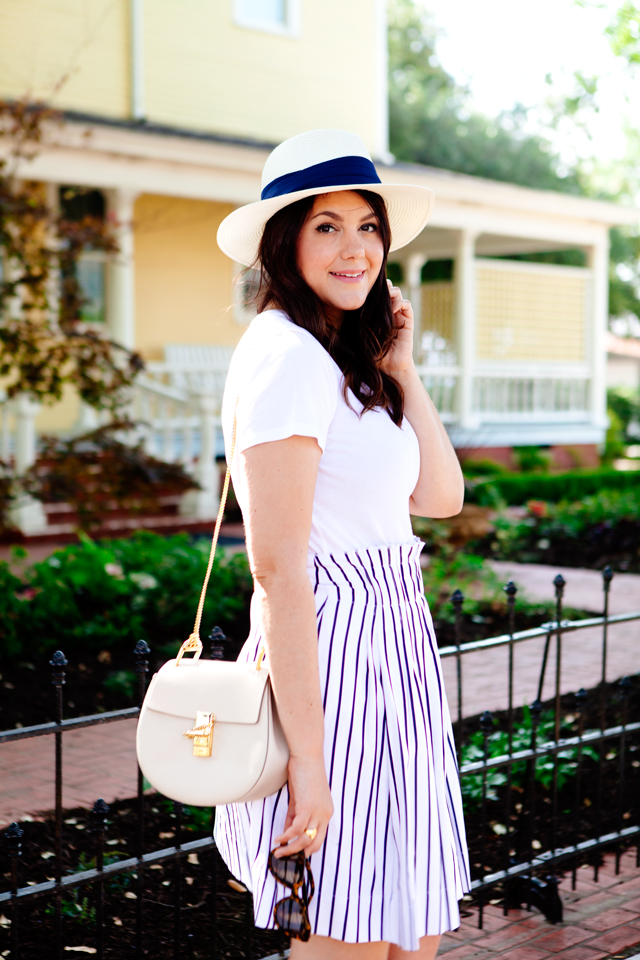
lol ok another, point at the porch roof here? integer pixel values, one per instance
(506, 218)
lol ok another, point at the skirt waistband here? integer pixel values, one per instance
(357, 567)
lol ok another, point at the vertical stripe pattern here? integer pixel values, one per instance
(394, 863)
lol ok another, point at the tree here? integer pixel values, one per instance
(44, 340)
(624, 32)
(624, 37)
(432, 121)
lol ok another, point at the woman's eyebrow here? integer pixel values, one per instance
(336, 216)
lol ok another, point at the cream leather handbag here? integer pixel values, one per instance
(208, 731)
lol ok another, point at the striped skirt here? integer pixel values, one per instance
(394, 863)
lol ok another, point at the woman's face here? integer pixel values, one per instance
(340, 251)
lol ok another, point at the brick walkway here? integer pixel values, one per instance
(600, 920)
(485, 672)
(97, 762)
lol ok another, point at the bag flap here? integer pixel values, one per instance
(233, 692)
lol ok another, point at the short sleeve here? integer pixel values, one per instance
(286, 385)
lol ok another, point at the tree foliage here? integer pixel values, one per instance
(44, 341)
(624, 32)
(624, 277)
(432, 122)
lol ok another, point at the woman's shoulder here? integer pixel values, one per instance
(272, 336)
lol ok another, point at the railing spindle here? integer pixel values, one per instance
(536, 710)
(58, 662)
(13, 837)
(581, 700)
(100, 811)
(457, 599)
(559, 584)
(486, 725)
(213, 917)
(625, 687)
(511, 590)
(141, 652)
(177, 883)
(248, 923)
(607, 577)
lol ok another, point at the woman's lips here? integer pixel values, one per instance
(350, 277)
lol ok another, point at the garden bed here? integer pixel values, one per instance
(235, 936)
(595, 797)
(233, 928)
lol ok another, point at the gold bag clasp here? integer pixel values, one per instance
(202, 734)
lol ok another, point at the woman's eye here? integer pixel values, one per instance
(370, 227)
(325, 228)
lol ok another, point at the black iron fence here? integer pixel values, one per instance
(527, 871)
(612, 820)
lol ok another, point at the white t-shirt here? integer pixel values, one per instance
(287, 385)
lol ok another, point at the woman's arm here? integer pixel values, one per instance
(439, 491)
(279, 480)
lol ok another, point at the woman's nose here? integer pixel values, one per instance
(353, 247)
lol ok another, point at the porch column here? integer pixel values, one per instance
(26, 512)
(598, 260)
(205, 501)
(465, 283)
(120, 270)
(413, 270)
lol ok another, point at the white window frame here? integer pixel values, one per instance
(291, 28)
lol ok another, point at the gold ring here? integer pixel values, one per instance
(312, 833)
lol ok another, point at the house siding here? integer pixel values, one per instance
(201, 70)
(183, 281)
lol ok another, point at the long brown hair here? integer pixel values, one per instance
(365, 335)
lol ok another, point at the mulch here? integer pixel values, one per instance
(235, 936)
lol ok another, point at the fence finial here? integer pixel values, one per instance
(218, 640)
(486, 722)
(13, 836)
(58, 662)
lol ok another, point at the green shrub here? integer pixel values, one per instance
(94, 596)
(585, 531)
(498, 746)
(532, 459)
(484, 468)
(519, 488)
(14, 603)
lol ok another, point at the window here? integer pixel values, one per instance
(90, 274)
(75, 204)
(273, 16)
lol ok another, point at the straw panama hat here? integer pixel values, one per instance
(321, 161)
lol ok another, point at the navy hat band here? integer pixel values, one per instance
(331, 173)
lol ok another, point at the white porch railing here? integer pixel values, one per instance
(176, 406)
(441, 383)
(545, 396)
(531, 399)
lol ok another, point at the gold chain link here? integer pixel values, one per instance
(195, 635)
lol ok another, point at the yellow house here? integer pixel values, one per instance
(170, 111)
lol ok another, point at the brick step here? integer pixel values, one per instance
(64, 513)
(115, 528)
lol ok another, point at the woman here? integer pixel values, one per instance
(337, 444)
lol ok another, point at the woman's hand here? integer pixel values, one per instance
(310, 807)
(399, 359)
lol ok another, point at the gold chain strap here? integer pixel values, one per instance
(194, 643)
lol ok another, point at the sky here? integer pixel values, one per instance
(504, 49)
